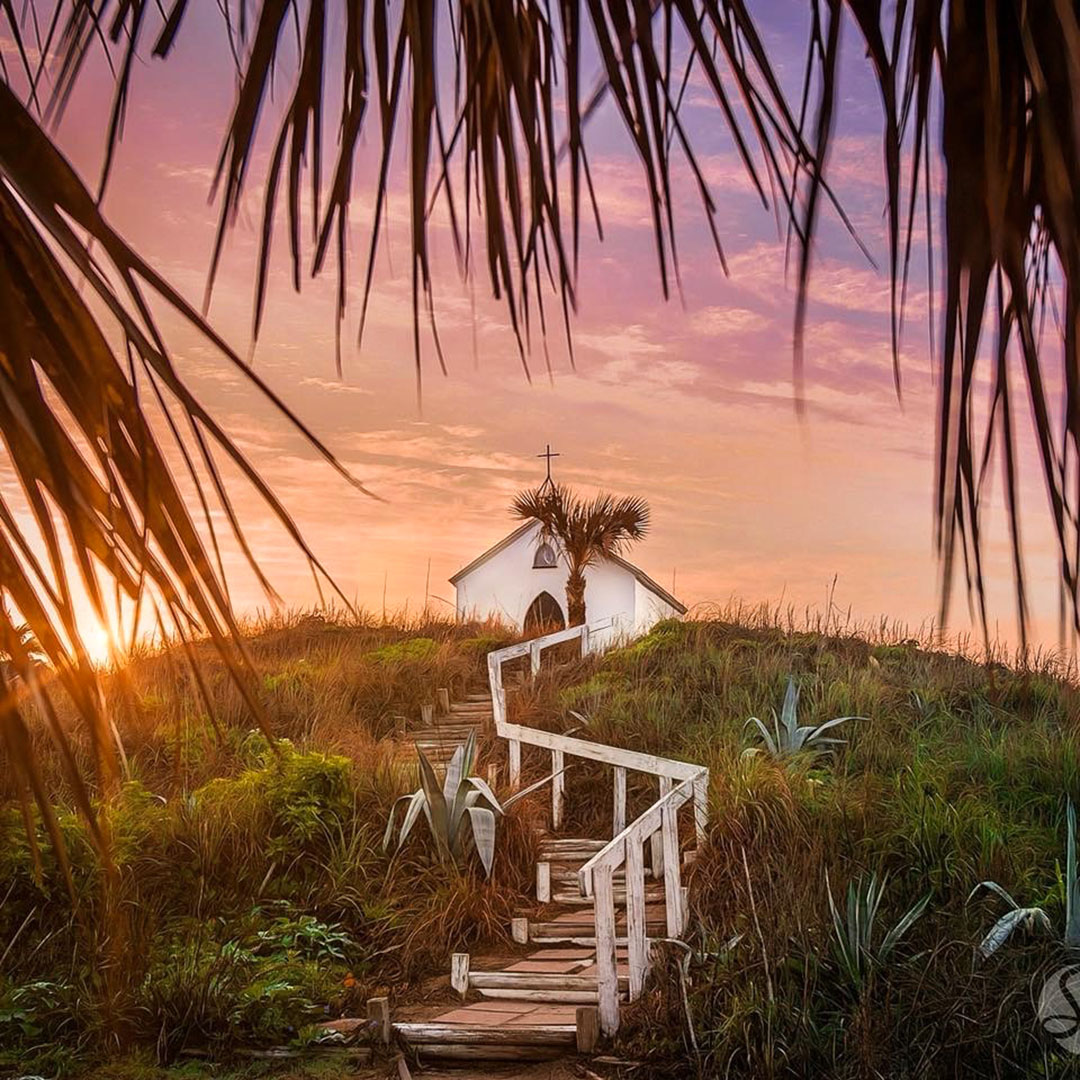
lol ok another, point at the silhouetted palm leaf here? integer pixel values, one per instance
(92, 469)
(1007, 76)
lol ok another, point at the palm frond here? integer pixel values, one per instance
(93, 469)
(1005, 75)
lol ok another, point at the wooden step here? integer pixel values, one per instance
(573, 898)
(570, 851)
(583, 932)
(484, 1042)
(538, 986)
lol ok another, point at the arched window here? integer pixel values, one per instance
(545, 557)
(544, 614)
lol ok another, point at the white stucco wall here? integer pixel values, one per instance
(649, 609)
(506, 584)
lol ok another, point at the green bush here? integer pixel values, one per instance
(410, 651)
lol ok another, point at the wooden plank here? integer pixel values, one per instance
(378, 1014)
(672, 878)
(515, 764)
(656, 841)
(492, 1051)
(534, 980)
(519, 930)
(575, 843)
(558, 788)
(618, 816)
(636, 942)
(539, 995)
(442, 699)
(588, 1029)
(606, 977)
(459, 972)
(701, 807)
(634, 760)
(423, 1032)
(543, 882)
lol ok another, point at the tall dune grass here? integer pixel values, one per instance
(960, 772)
(253, 889)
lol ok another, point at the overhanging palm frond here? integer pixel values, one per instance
(1005, 76)
(495, 152)
(94, 473)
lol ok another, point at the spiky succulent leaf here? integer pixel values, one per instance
(388, 834)
(993, 886)
(772, 744)
(1072, 898)
(1028, 917)
(483, 834)
(789, 713)
(484, 789)
(903, 926)
(435, 803)
(417, 805)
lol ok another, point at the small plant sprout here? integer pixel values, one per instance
(1035, 918)
(787, 738)
(854, 929)
(460, 813)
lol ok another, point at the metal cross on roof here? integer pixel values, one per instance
(549, 454)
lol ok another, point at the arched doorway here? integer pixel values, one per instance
(544, 614)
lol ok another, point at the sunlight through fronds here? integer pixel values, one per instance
(496, 144)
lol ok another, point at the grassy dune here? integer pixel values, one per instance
(255, 894)
(252, 892)
(959, 773)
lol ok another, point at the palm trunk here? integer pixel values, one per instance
(575, 598)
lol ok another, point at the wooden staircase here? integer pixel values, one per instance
(601, 900)
(447, 726)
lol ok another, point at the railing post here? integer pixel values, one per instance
(672, 880)
(656, 841)
(701, 808)
(607, 979)
(534, 658)
(495, 682)
(618, 822)
(637, 945)
(514, 749)
(585, 640)
(558, 787)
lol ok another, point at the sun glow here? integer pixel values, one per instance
(98, 640)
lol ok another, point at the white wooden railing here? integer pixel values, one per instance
(679, 782)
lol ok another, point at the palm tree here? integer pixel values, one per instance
(586, 531)
(505, 150)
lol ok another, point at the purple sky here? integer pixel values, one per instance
(688, 403)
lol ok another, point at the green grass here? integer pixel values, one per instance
(252, 886)
(959, 772)
(251, 896)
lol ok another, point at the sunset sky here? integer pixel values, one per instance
(688, 402)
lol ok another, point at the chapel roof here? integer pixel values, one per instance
(643, 578)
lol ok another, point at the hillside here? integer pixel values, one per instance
(253, 889)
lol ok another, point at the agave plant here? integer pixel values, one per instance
(1035, 918)
(460, 812)
(786, 737)
(854, 931)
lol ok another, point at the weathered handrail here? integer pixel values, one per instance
(680, 782)
(596, 878)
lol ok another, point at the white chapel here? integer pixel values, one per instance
(522, 581)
